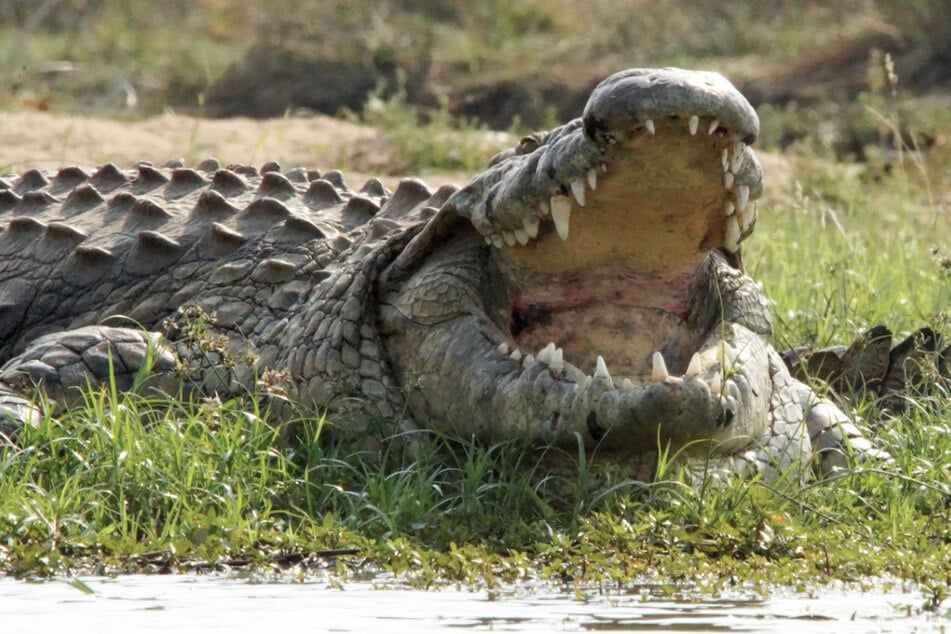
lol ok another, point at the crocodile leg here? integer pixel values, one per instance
(67, 362)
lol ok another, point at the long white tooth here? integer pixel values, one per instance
(545, 354)
(729, 207)
(736, 160)
(545, 207)
(531, 225)
(561, 214)
(658, 368)
(694, 124)
(649, 124)
(557, 363)
(693, 369)
(728, 180)
(577, 188)
(713, 126)
(497, 240)
(592, 178)
(725, 354)
(747, 216)
(503, 348)
(521, 236)
(509, 238)
(725, 160)
(516, 355)
(528, 360)
(732, 235)
(716, 385)
(601, 369)
(742, 197)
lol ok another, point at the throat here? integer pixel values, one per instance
(619, 315)
(624, 289)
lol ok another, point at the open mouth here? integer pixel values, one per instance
(603, 270)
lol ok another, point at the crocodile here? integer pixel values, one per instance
(586, 287)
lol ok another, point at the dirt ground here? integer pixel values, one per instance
(33, 139)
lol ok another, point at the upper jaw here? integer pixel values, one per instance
(523, 195)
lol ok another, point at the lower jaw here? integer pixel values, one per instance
(625, 336)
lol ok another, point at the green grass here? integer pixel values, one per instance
(418, 139)
(124, 483)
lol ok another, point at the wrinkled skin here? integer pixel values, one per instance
(586, 286)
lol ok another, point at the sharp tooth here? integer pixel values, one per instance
(603, 167)
(728, 180)
(546, 353)
(747, 216)
(729, 207)
(545, 207)
(503, 348)
(592, 178)
(715, 385)
(557, 363)
(725, 354)
(497, 241)
(531, 226)
(693, 369)
(488, 239)
(601, 369)
(627, 384)
(585, 382)
(561, 214)
(577, 188)
(713, 126)
(746, 219)
(649, 124)
(516, 355)
(658, 368)
(736, 161)
(509, 238)
(732, 235)
(742, 197)
(694, 123)
(725, 159)
(521, 235)
(528, 360)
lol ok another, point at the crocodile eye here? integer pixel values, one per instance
(526, 145)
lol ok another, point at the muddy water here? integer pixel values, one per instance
(204, 604)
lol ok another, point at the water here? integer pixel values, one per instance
(190, 603)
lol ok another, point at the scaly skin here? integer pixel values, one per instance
(587, 285)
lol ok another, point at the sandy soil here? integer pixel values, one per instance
(45, 140)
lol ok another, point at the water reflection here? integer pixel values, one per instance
(191, 603)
